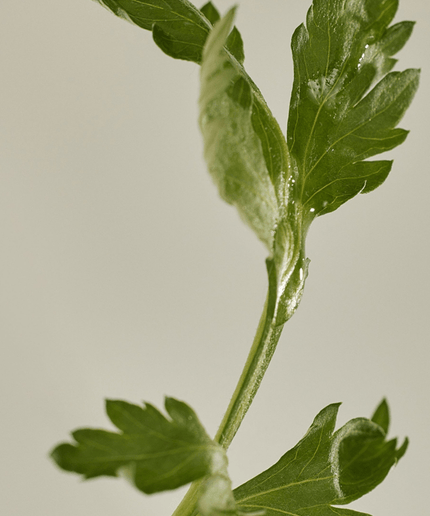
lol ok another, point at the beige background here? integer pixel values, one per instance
(123, 275)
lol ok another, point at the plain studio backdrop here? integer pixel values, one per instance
(123, 275)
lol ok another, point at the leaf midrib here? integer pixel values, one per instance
(287, 486)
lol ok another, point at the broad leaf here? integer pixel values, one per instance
(324, 469)
(155, 452)
(333, 125)
(248, 160)
(232, 148)
(181, 31)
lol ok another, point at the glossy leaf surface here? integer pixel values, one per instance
(334, 124)
(324, 469)
(155, 452)
(249, 162)
(232, 148)
(181, 31)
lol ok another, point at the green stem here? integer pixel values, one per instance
(258, 360)
(188, 505)
(286, 284)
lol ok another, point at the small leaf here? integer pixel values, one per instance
(232, 148)
(325, 468)
(156, 453)
(344, 48)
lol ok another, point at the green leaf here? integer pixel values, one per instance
(324, 469)
(181, 29)
(333, 125)
(248, 159)
(178, 27)
(156, 453)
(211, 12)
(381, 416)
(235, 45)
(232, 148)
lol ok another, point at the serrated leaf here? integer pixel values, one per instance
(181, 29)
(334, 126)
(232, 148)
(156, 453)
(345, 46)
(323, 470)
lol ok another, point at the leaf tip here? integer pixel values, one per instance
(110, 407)
(54, 454)
(174, 407)
(402, 450)
(61, 455)
(168, 401)
(231, 13)
(381, 416)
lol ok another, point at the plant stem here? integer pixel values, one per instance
(188, 505)
(286, 282)
(258, 360)
(260, 354)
